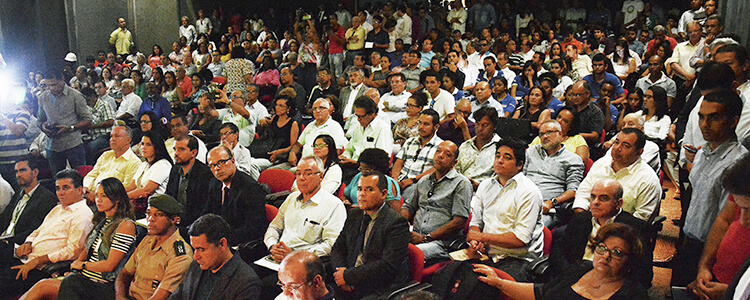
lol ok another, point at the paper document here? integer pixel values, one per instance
(268, 262)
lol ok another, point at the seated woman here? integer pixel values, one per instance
(153, 174)
(633, 104)
(616, 247)
(655, 110)
(280, 126)
(407, 127)
(96, 269)
(325, 149)
(622, 62)
(206, 123)
(374, 159)
(534, 109)
(172, 92)
(574, 142)
(149, 122)
(525, 81)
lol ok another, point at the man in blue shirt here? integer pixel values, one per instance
(601, 76)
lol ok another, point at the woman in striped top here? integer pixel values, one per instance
(97, 267)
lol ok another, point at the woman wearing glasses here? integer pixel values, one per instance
(325, 149)
(616, 247)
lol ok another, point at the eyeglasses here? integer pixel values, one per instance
(290, 287)
(320, 108)
(411, 105)
(548, 132)
(601, 249)
(145, 122)
(228, 132)
(306, 174)
(320, 146)
(219, 163)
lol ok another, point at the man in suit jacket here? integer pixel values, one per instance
(215, 272)
(349, 93)
(606, 207)
(194, 173)
(236, 197)
(370, 254)
(27, 208)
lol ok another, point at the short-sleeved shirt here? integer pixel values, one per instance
(444, 104)
(553, 174)
(597, 86)
(377, 134)
(13, 147)
(664, 82)
(122, 39)
(158, 172)
(234, 71)
(158, 267)
(131, 104)
(436, 203)
(592, 119)
(329, 127)
(359, 33)
(475, 163)
(100, 112)
(417, 159)
(68, 109)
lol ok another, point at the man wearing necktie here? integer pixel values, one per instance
(370, 254)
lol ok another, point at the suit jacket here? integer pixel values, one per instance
(244, 207)
(385, 257)
(346, 92)
(39, 205)
(195, 200)
(236, 281)
(568, 250)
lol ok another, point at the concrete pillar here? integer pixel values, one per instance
(735, 14)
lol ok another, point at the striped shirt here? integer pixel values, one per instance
(417, 159)
(13, 147)
(121, 242)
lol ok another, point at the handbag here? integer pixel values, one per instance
(267, 142)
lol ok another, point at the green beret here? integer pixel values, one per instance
(166, 204)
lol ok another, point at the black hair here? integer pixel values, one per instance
(640, 141)
(160, 150)
(382, 179)
(214, 227)
(576, 120)
(518, 148)
(432, 113)
(729, 99)
(400, 75)
(420, 97)
(376, 158)
(289, 105)
(367, 104)
(660, 101)
(71, 174)
(332, 150)
(88, 93)
(427, 73)
(33, 162)
(231, 127)
(488, 112)
(735, 180)
(740, 53)
(715, 76)
(192, 141)
(599, 57)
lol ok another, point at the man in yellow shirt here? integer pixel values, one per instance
(355, 40)
(121, 38)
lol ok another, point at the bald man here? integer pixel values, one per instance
(301, 277)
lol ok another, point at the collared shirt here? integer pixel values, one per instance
(682, 54)
(417, 159)
(396, 105)
(122, 39)
(130, 104)
(581, 67)
(436, 203)
(443, 104)
(203, 25)
(708, 194)
(330, 127)
(425, 59)
(349, 109)
(245, 126)
(244, 161)
(157, 173)
(592, 119)
(100, 112)
(664, 82)
(158, 267)
(491, 102)
(475, 163)
(412, 77)
(311, 226)
(377, 134)
(514, 208)
(62, 234)
(359, 33)
(461, 16)
(68, 109)
(108, 165)
(18, 210)
(553, 174)
(639, 182)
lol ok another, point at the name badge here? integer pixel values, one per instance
(370, 139)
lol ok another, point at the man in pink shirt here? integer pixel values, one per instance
(336, 46)
(61, 237)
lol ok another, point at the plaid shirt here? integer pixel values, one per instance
(99, 113)
(417, 159)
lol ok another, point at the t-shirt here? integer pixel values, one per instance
(158, 172)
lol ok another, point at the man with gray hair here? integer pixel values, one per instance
(131, 103)
(354, 90)
(660, 35)
(323, 124)
(188, 31)
(120, 162)
(556, 171)
(142, 65)
(238, 113)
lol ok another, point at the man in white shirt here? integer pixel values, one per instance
(457, 17)
(131, 103)
(394, 102)
(350, 93)
(242, 158)
(680, 60)
(188, 31)
(323, 124)
(403, 25)
(440, 100)
(368, 132)
(236, 112)
(693, 14)
(507, 213)
(203, 24)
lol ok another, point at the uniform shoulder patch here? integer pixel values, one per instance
(179, 248)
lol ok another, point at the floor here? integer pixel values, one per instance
(665, 245)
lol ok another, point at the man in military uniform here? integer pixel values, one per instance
(161, 259)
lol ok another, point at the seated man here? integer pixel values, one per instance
(230, 134)
(27, 209)
(478, 151)
(302, 277)
(440, 206)
(238, 113)
(188, 179)
(368, 132)
(726, 246)
(606, 207)
(650, 151)
(236, 197)
(641, 185)
(120, 162)
(459, 128)
(556, 171)
(323, 124)
(179, 127)
(483, 98)
(394, 102)
(507, 209)
(216, 273)
(414, 160)
(60, 237)
(158, 264)
(371, 254)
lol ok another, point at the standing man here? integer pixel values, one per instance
(370, 254)
(203, 24)
(14, 121)
(236, 197)
(63, 112)
(355, 40)
(188, 178)
(440, 206)
(121, 39)
(336, 43)
(158, 264)
(216, 273)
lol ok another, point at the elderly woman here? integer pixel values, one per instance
(616, 248)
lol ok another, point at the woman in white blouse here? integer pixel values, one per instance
(655, 110)
(324, 148)
(153, 174)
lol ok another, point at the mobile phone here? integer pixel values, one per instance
(690, 149)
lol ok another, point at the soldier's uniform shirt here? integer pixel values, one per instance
(161, 267)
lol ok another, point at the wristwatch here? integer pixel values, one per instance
(427, 238)
(83, 266)
(554, 201)
(72, 127)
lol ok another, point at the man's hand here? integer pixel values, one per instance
(76, 265)
(23, 250)
(279, 251)
(346, 161)
(339, 278)
(546, 206)
(23, 270)
(416, 238)
(292, 158)
(475, 246)
(690, 151)
(459, 121)
(405, 183)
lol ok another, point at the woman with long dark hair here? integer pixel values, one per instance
(655, 111)
(267, 78)
(525, 81)
(622, 62)
(153, 174)
(154, 60)
(325, 148)
(96, 269)
(633, 103)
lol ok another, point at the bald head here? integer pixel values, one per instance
(463, 104)
(303, 269)
(606, 199)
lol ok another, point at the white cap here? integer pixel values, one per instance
(71, 57)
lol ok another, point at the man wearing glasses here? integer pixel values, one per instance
(440, 206)
(236, 197)
(606, 207)
(323, 124)
(302, 277)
